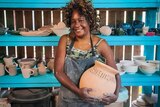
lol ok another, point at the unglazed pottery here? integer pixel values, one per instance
(60, 29)
(35, 33)
(41, 68)
(8, 61)
(27, 61)
(50, 64)
(131, 69)
(27, 71)
(11, 69)
(105, 30)
(148, 68)
(2, 71)
(101, 78)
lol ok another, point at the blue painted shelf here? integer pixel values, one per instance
(49, 80)
(14, 40)
(62, 3)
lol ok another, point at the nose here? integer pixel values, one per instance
(77, 23)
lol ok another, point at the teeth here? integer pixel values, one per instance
(78, 30)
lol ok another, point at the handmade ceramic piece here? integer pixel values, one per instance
(2, 71)
(120, 68)
(156, 62)
(131, 69)
(105, 30)
(148, 68)
(35, 71)
(8, 61)
(27, 71)
(60, 32)
(50, 64)
(142, 58)
(11, 69)
(60, 29)
(27, 61)
(35, 33)
(101, 78)
(41, 68)
(126, 62)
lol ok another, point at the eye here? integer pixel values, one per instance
(73, 21)
(81, 20)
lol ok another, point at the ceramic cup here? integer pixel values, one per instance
(11, 69)
(27, 71)
(2, 71)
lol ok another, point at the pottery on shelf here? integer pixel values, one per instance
(41, 68)
(101, 78)
(8, 61)
(50, 64)
(27, 61)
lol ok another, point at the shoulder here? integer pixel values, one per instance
(65, 39)
(99, 41)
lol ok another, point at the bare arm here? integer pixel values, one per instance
(62, 77)
(59, 64)
(106, 51)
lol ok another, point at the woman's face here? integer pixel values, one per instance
(79, 24)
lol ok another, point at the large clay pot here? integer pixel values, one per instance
(101, 78)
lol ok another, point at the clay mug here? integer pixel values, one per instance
(2, 71)
(11, 69)
(27, 71)
(50, 64)
(8, 61)
(35, 71)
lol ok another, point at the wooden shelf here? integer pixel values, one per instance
(62, 3)
(14, 40)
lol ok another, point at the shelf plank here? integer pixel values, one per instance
(62, 3)
(49, 80)
(14, 40)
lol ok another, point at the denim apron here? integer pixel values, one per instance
(74, 68)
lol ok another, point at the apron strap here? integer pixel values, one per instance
(72, 43)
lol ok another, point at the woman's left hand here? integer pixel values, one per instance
(108, 99)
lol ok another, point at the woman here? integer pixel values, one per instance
(76, 52)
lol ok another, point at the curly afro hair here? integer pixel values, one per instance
(85, 8)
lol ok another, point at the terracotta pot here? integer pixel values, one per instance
(101, 78)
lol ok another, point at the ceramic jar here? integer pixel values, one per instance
(101, 78)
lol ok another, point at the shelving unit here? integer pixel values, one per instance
(49, 80)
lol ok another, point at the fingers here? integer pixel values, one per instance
(108, 99)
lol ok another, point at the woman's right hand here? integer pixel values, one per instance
(84, 94)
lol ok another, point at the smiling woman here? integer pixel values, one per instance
(77, 52)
